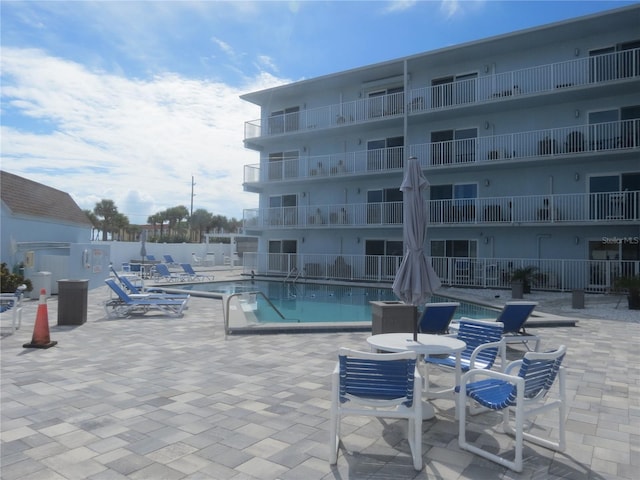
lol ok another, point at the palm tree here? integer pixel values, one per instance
(106, 210)
(95, 222)
(200, 221)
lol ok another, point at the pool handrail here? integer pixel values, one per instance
(226, 310)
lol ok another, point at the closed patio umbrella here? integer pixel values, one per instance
(415, 279)
(143, 244)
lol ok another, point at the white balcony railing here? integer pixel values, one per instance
(538, 144)
(616, 207)
(549, 274)
(590, 71)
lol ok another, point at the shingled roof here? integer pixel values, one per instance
(26, 197)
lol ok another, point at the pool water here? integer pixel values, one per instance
(306, 303)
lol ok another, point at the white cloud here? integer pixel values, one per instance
(399, 5)
(137, 142)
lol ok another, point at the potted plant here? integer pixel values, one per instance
(632, 286)
(9, 282)
(525, 276)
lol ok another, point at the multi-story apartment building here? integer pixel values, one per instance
(530, 142)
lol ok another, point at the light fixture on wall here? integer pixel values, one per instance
(486, 125)
(304, 149)
(486, 68)
(358, 189)
(486, 240)
(358, 239)
(576, 52)
(576, 113)
(577, 176)
(487, 182)
(577, 240)
(304, 194)
(302, 239)
(359, 141)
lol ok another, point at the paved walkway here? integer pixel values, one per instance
(164, 398)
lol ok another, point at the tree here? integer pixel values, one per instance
(106, 212)
(200, 222)
(95, 222)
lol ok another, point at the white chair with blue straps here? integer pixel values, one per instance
(523, 388)
(484, 342)
(380, 385)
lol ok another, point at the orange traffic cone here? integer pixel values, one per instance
(40, 337)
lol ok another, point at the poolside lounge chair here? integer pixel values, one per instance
(513, 316)
(380, 385)
(162, 273)
(192, 275)
(134, 292)
(484, 343)
(168, 259)
(151, 258)
(522, 388)
(436, 317)
(125, 306)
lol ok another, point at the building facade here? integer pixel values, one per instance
(530, 142)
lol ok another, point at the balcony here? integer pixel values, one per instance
(325, 216)
(543, 79)
(579, 208)
(562, 275)
(534, 210)
(522, 146)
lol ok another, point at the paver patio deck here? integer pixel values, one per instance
(157, 397)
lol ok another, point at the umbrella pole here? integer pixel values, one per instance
(415, 323)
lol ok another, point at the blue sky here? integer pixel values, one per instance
(129, 100)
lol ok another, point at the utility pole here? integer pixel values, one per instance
(193, 184)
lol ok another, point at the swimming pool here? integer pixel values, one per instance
(318, 303)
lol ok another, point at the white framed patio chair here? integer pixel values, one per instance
(484, 343)
(522, 389)
(380, 385)
(11, 306)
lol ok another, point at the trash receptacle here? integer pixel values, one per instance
(392, 317)
(40, 280)
(577, 299)
(72, 301)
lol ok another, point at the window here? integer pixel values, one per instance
(383, 258)
(457, 202)
(283, 165)
(611, 63)
(457, 146)
(384, 206)
(612, 196)
(386, 101)
(282, 255)
(454, 248)
(385, 154)
(283, 210)
(283, 121)
(453, 90)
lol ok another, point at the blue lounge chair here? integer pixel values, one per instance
(380, 385)
(192, 275)
(126, 306)
(513, 317)
(168, 259)
(162, 273)
(522, 388)
(134, 292)
(151, 258)
(436, 317)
